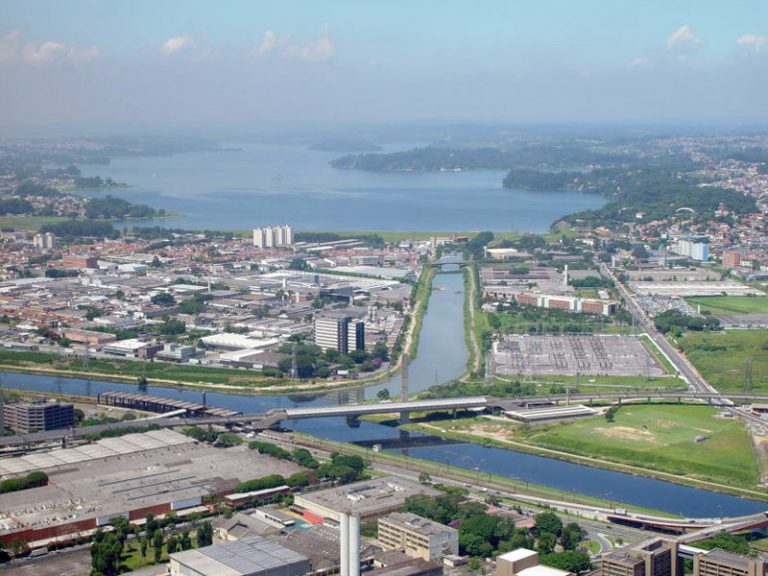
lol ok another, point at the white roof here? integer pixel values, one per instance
(542, 571)
(518, 554)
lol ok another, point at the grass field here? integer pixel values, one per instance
(659, 437)
(28, 222)
(721, 357)
(731, 304)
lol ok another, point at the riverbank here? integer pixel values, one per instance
(227, 380)
(470, 324)
(485, 439)
(467, 477)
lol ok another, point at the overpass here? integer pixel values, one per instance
(656, 394)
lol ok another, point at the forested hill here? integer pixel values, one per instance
(434, 159)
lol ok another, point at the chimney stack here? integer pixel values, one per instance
(349, 536)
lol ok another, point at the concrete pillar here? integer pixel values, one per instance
(354, 545)
(344, 538)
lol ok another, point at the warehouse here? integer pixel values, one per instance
(250, 556)
(130, 476)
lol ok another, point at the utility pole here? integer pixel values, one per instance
(294, 366)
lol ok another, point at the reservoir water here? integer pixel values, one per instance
(441, 349)
(270, 184)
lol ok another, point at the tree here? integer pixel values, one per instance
(106, 552)
(171, 545)
(204, 535)
(383, 394)
(548, 522)
(425, 478)
(157, 544)
(163, 298)
(298, 264)
(185, 540)
(569, 560)
(546, 543)
(143, 547)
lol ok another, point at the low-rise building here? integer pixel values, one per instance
(417, 536)
(368, 499)
(524, 562)
(249, 556)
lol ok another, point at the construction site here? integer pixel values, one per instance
(571, 355)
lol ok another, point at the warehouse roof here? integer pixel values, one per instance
(248, 556)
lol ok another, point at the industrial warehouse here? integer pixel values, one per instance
(129, 476)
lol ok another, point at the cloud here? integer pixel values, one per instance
(178, 44)
(318, 50)
(683, 40)
(313, 51)
(48, 52)
(640, 63)
(268, 44)
(753, 42)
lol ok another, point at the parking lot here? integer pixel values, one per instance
(589, 355)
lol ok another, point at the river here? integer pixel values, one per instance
(265, 184)
(441, 356)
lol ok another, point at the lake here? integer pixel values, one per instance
(272, 184)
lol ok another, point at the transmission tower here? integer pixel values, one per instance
(294, 367)
(747, 374)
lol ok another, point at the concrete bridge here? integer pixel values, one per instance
(450, 261)
(273, 417)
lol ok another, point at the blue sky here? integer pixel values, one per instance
(179, 62)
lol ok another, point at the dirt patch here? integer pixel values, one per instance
(627, 433)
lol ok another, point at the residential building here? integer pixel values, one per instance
(45, 241)
(273, 236)
(653, 557)
(417, 536)
(723, 563)
(26, 417)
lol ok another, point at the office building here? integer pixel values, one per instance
(249, 556)
(343, 333)
(418, 537)
(273, 236)
(723, 563)
(653, 557)
(26, 417)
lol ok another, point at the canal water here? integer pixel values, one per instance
(441, 356)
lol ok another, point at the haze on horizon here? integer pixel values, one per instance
(89, 63)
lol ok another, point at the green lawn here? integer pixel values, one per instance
(659, 437)
(721, 357)
(731, 304)
(29, 222)
(136, 369)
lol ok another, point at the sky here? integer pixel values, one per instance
(90, 63)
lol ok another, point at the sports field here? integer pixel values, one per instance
(721, 357)
(731, 304)
(681, 439)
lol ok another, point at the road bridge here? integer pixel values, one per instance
(258, 421)
(450, 261)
